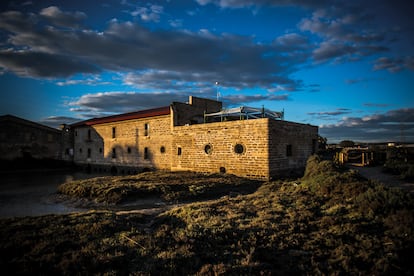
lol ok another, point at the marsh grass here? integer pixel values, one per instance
(328, 222)
(170, 187)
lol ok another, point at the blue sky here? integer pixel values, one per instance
(345, 66)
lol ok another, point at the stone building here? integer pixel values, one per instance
(184, 136)
(20, 138)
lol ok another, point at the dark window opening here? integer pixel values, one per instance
(208, 149)
(89, 153)
(162, 149)
(80, 150)
(179, 151)
(76, 133)
(222, 170)
(146, 153)
(113, 132)
(239, 149)
(288, 150)
(113, 153)
(66, 151)
(129, 150)
(146, 129)
(100, 150)
(89, 134)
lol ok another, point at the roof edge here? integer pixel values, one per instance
(154, 112)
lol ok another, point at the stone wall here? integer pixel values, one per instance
(20, 138)
(193, 111)
(212, 148)
(144, 143)
(290, 145)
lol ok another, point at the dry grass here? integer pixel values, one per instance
(328, 222)
(169, 186)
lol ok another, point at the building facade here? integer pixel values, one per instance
(177, 137)
(20, 138)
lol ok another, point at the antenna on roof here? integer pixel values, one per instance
(217, 90)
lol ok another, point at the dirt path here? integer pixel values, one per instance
(375, 173)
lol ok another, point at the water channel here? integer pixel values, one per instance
(34, 193)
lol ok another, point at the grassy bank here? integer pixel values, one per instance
(168, 186)
(328, 222)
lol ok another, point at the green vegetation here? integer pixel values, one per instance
(328, 222)
(400, 162)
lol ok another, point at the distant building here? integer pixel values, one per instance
(20, 138)
(195, 136)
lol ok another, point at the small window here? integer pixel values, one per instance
(129, 150)
(239, 149)
(100, 150)
(113, 153)
(208, 149)
(113, 132)
(89, 134)
(179, 151)
(89, 153)
(76, 133)
(80, 150)
(288, 150)
(146, 129)
(162, 149)
(146, 153)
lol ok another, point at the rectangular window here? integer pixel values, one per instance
(288, 150)
(146, 153)
(89, 134)
(146, 129)
(113, 132)
(179, 151)
(89, 153)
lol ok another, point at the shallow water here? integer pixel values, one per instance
(33, 194)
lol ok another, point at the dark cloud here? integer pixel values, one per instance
(99, 104)
(394, 65)
(345, 33)
(338, 111)
(138, 49)
(30, 64)
(394, 125)
(119, 102)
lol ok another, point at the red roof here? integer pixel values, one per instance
(126, 116)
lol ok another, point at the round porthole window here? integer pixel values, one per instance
(239, 149)
(208, 149)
